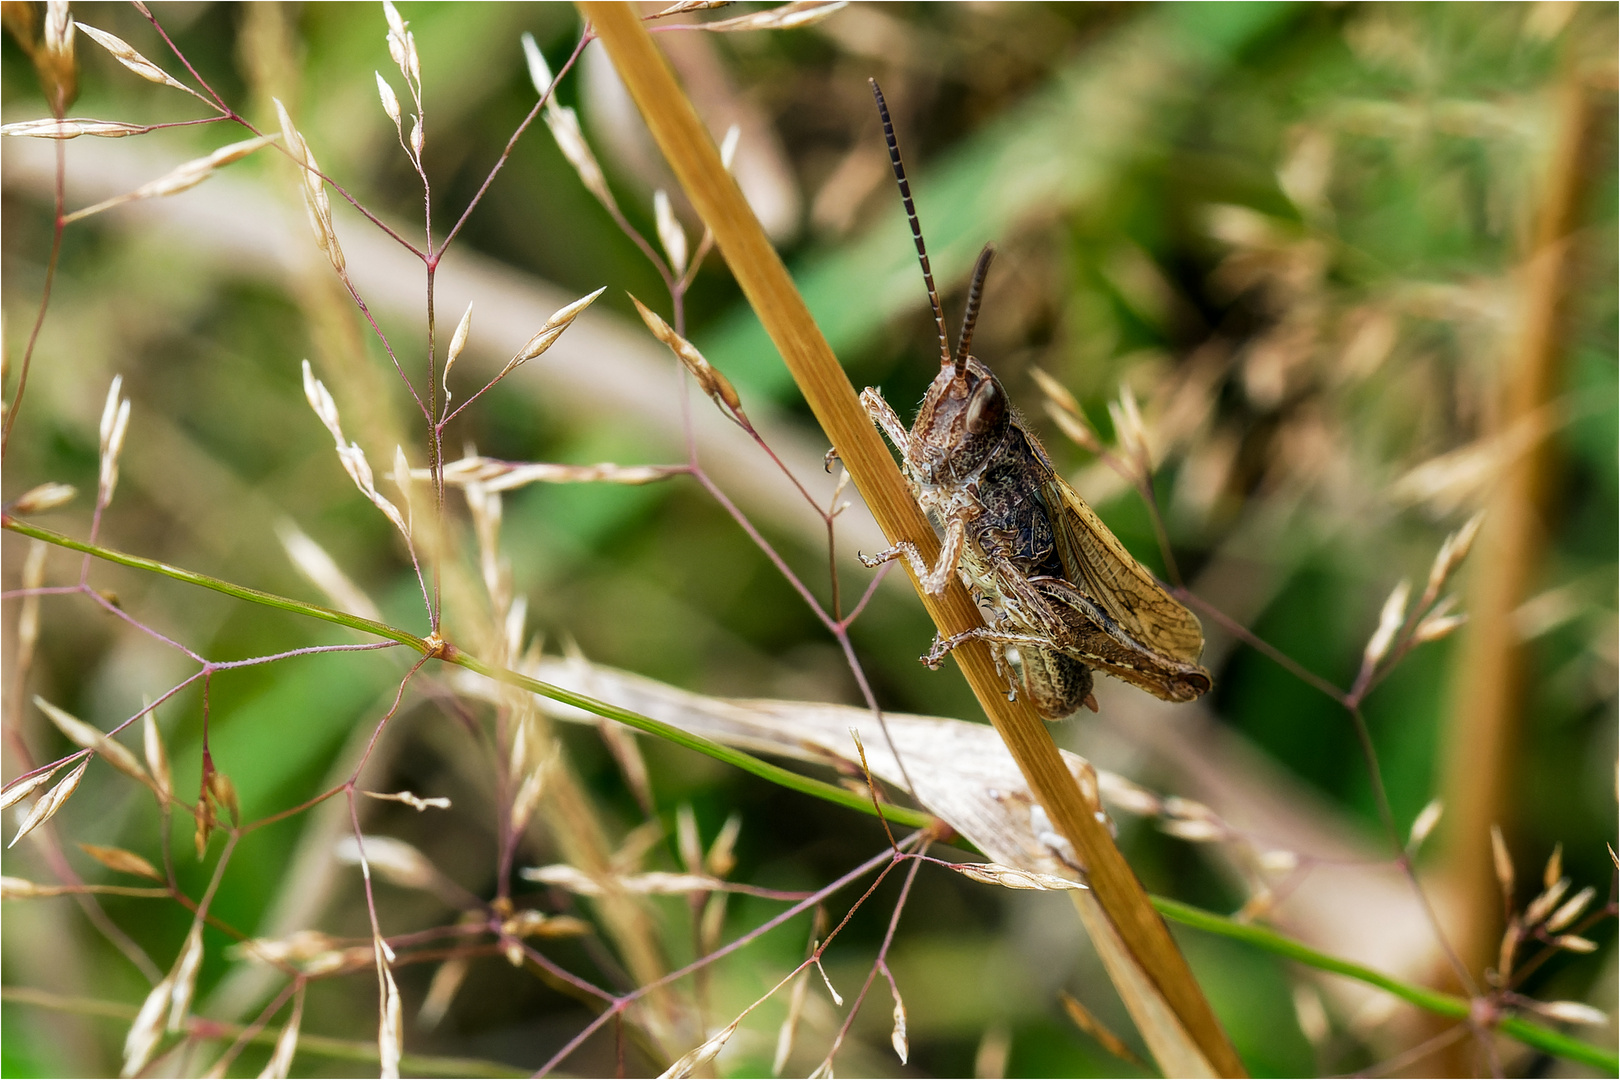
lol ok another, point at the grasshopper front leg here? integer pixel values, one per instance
(885, 418)
(932, 580)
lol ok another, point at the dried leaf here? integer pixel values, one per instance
(125, 862)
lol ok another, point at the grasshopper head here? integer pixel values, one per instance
(962, 419)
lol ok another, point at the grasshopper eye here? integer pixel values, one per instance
(986, 408)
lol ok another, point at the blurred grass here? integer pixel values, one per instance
(1091, 144)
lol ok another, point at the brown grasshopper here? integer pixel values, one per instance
(1061, 593)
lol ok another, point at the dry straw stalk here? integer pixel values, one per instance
(1167, 1003)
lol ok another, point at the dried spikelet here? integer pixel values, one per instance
(1278, 861)
(415, 802)
(390, 1029)
(1452, 552)
(124, 862)
(45, 497)
(350, 455)
(16, 888)
(712, 923)
(147, 1030)
(50, 802)
(1570, 910)
(1389, 621)
(539, 70)
(1010, 877)
(286, 1043)
(565, 130)
(532, 789)
(1503, 864)
(126, 55)
(1572, 1012)
(324, 573)
(185, 976)
(621, 743)
(317, 204)
(182, 178)
(54, 56)
(710, 380)
(496, 476)
(1435, 626)
(1197, 832)
(1424, 824)
(295, 948)
(1130, 430)
(702, 1055)
(337, 961)
(114, 423)
(1311, 1013)
(790, 1023)
(18, 790)
(553, 329)
(670, 233)
(157, 758)
(784, 17)
(222, 793)
(1126, 796)
(1574, 943)
(1088, 1023)
(728, 146)
(1545, 902)
(71, 129)
(390, 102)
(92, 738)
(1553, 872)
(686, 837)
(722, 859)
(458, 341)
(897, 1034)
(532, 923)
(394, 860)
(447, 980)
(690, 5)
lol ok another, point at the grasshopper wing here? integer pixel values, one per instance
(1095, 561)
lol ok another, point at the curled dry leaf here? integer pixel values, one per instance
(126, 55)
(50, 802)
(45, 497)
(125, 862)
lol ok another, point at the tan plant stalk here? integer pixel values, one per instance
(1487, 708)
(1167, 1003)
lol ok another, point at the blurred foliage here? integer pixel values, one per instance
(1291, 230)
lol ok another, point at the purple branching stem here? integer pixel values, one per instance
(511, 144)
(871, 588)
(57, 860)
(218, 101)
(59, 195)
(619, 1004)
(879, 964)
(296, 985)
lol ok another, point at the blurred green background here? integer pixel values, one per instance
(1295, 231)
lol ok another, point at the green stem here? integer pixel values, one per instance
(1448, 1005)
(747, 762)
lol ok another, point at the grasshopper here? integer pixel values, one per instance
(1061, 594)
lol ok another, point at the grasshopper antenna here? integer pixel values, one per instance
(916, 230)
(975, 294)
